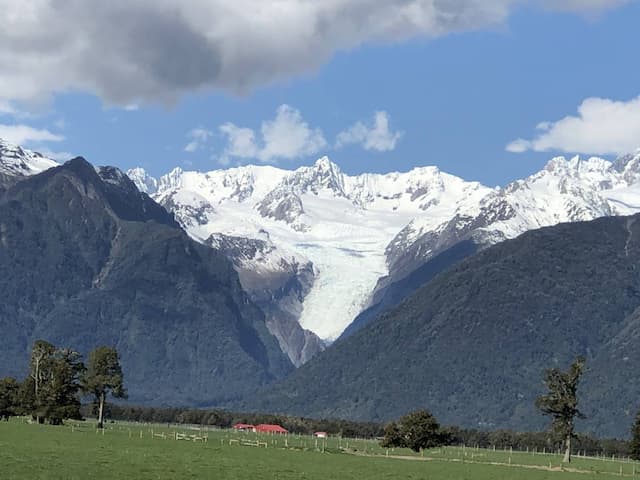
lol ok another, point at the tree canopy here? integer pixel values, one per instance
(103, 376)
(417, 430)
(561, 401)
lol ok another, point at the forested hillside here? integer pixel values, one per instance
(88, 260)
(471, 345)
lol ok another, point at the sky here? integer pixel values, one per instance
(488, 90)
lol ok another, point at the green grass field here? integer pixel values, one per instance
(135, 451)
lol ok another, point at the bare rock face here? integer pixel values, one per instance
(277, 281)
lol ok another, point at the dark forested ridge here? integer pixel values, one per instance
(471, 345)
(394, 293)
(88, 260)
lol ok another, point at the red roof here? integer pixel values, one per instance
(243, 426)
(270, 428)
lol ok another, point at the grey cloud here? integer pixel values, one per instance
(157, 50)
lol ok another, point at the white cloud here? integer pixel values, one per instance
(286, 137)
(158, 50)
(376, 137)
(602, 127)
(199, 137)
(241, 142)
(24, 134)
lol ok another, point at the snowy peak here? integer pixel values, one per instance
(18, 161)
(629, 167)
(565, 190)
(145, 182)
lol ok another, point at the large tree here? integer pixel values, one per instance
(51, 389)
(103, 376)
(417, 430)
(561, 401)
(9, 389)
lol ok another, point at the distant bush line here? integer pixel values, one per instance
(500, 439)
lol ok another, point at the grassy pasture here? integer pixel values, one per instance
(135, 451)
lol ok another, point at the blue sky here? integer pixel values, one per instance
(451, 97)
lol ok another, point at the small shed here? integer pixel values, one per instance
(244, 427)
(266, 428)
(321, 434)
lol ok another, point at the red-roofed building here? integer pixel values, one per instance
(244, 427)
(265, 428)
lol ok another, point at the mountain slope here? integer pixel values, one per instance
(88, 260)
(472, 344)
(277, 281)
(564, 191)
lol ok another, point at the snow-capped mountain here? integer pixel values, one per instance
(16, 161)
(315, 246)
(342, 224)
(566, 190)
(362, 233)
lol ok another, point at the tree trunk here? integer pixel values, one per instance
(35, 383)
(567, 452)
(101, 411)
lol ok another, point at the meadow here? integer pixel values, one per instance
(143, 451)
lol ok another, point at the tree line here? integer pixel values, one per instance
(420, 430)
(57, 381)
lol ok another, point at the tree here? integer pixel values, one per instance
(50, 391)
(634, 446)
(392, 436)
(561, 401)
(9, 388)
(417, 430)
(39, 372)
(59, 395)
(103, 376)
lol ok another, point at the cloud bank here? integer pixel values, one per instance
(132, 51)
(601, 127)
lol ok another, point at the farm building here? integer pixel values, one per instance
(321, 434)
(244, 427)
(266, 428)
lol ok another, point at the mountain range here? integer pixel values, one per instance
(213, 286)
(363, 243)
